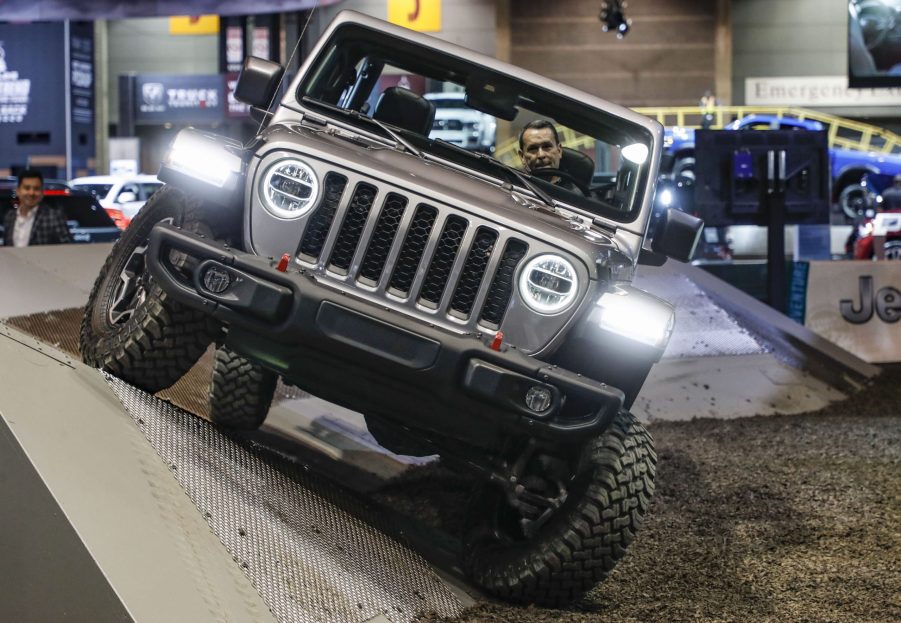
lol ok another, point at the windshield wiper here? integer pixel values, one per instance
(354, 114)
(518, 175)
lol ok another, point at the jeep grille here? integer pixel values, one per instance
(425, 257)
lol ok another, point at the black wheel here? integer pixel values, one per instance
(131, 328)
(893, 250)
(855, 200)
(241, 391)
(571, 531)
(684, 169)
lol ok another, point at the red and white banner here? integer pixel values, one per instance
(857, 305)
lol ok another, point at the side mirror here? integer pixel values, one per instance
(126, 197)
(677, 234)
(258, 81)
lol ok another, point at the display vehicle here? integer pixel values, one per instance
(463, 306)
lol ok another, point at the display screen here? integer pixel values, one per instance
(874, 43)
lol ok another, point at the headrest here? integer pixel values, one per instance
(405, 109)
(578, 165)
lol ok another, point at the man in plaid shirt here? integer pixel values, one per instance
(32, 223)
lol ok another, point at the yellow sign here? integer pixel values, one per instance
(421, 15)
(194, 25)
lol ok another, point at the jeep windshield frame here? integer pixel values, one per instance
(346, 73)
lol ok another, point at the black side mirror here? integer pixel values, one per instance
(258, 81)
(677, 234)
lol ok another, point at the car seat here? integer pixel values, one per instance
(577, 164)
(405, 109)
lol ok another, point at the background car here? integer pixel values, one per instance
(456, 123)
(122, 197)
(86, 218)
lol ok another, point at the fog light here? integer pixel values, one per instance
(538, 398)
(216, 280)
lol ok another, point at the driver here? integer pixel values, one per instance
(539, 148)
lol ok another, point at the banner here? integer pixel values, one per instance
(194, 25)
(181, 98)
(857, 305)
(33, 10)
(421, 15)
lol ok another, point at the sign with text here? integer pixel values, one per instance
(857, 305)
(815, 91)
(421, 15)
(179, 98)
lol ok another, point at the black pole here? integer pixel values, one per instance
(775, 247)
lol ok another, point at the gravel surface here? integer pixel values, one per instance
(776, 518)
(771, 518)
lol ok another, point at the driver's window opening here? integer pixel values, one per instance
(447, 108)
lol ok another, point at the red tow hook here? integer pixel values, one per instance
(497, 341)
(283, 263)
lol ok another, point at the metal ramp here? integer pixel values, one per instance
(256, 538)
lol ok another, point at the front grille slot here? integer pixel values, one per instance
(442, 261)
(412, 250)
(473, 272)
(321, 221)
(382, 239)
(352, 228)
(501, 288)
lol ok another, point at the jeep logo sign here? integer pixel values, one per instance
(886, 303)
(856, 305)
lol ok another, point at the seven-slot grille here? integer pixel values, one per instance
(412, 252)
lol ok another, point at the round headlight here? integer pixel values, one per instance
(289, 188)
(548, 284)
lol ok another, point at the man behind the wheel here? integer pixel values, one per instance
(539, 148)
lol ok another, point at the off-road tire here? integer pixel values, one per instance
(161, 339)
(241, 391)
(589, 534)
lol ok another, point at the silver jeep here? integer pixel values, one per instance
(465, 306)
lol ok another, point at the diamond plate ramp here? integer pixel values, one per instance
(312, 551)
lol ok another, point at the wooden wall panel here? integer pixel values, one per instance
(667, 58)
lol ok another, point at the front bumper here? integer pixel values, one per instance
(368, 357)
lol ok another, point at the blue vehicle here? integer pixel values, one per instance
(857, 176)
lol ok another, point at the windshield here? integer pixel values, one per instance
(448, 108)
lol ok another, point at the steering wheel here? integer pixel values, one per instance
(876, 22)
(569, 177)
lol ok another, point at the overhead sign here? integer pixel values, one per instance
(179, 98)
(194, 25)
(815, 91)
(421, 15)
(857, 305)
(32, 10)
(15, 91)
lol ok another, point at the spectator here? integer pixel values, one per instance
(708, 106)
(31, 222)
(891, 197)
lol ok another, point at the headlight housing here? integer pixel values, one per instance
(289, 188)
(548, 284)
(205, 157)
(637, 315)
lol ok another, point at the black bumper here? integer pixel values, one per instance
(361, 355)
